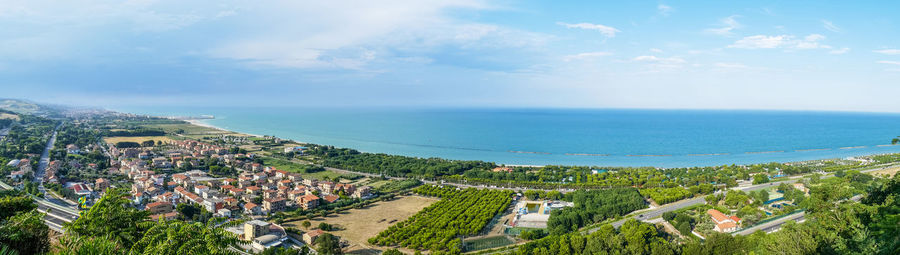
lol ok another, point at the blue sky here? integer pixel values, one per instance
(797, 55)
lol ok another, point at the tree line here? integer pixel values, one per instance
(594, 206)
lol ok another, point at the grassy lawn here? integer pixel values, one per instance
(300, 169)
(137, 139)
(189, 129)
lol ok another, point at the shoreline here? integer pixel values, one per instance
(201, 123)
(207, 125)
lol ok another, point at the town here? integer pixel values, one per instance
(265, 195)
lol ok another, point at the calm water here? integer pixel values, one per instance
(664, 138)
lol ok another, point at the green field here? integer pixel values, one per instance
(285, 165)
(487, 243)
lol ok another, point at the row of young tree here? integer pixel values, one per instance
(441, 226)
(594, 206)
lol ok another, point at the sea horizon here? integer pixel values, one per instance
(587, 137)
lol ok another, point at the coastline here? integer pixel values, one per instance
(201, 123)
(207, 125)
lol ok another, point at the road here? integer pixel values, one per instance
(45, 158)
(56, 214)
(772, 225)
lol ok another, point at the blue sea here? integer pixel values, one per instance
(595, 137)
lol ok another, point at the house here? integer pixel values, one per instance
(199, 189)
(253, 190)
(72, 149)
(160, 207)
(331, 198)
(310, 236)
(252, 209)
(81, 189)
(308, 201)
(101, 184)
(254, 229)
(342, 188)
(326, 186)
(224, 212)
(167, 216)
(724, 224)
(274, 204)
(362, 192)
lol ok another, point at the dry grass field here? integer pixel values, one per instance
(137, 139)
(889, 172)
(358, 225)
(4, 115)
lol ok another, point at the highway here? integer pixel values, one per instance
(772, 225)
(56, 214)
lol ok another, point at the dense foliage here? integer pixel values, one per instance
(632, 238)
(594, 206)
(835, 225)
(22, 227)
(393, 165)
(178, 237)
(134, 132)
(112, 216)
(438, 227)
(666, 195)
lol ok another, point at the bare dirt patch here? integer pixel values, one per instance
(889, 172)
(358, 225)
(4, 115)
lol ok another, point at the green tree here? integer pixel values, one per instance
(112, 216)
(306, 224)
(26, 233)
(177, 237)
(328, 244)
(760, 178)
(10, 205)
(78, 245)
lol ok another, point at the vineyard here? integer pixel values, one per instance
(439, 227)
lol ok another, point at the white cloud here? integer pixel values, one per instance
(839, 51)
(811, 41)
(656, 50)
(888, 51)
(830, 26)
(586, 56)
(760, 42)
(889, 62)
(725, 26)
(605, 30)
(664, 10)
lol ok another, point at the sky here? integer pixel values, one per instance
(788, 55)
